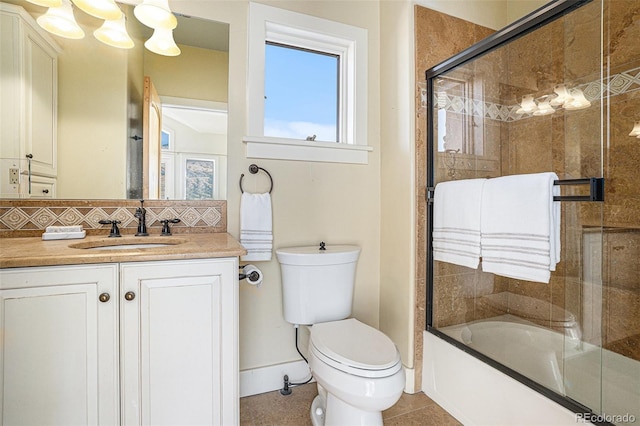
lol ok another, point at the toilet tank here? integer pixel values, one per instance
(317, 285)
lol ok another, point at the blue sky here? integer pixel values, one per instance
(301, 94)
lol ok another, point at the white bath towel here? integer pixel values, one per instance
(256, 232)
(456, 222)
(520, 226)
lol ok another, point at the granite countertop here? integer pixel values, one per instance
(33, 251)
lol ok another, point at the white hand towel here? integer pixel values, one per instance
(520, 225)
(456, 222)
(256, 233)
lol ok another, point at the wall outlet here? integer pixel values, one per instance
(14, 176)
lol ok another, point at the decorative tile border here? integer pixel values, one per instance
(25, 218)
(617, 84)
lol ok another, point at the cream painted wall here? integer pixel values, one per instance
(86, 146)
(397, 271)
(488, 13)
(516, 9)
(312, 202)
(199, 74)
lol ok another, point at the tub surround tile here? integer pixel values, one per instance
(622, 30)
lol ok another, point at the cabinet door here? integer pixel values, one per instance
(179, 342)
(41, 80)
(58, 346)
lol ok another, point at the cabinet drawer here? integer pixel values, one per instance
(43, 187)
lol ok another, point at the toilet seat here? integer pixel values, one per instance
(355, 348)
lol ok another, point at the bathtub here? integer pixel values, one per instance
(603, 380)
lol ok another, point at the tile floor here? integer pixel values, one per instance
(274, 409)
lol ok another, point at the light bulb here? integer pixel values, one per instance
(103, 9)
(562, 97)
(544, 108)
(46, 3)
(528, 105)
(156, 14)
(114, 33)
(161, 42)
(61, 22)
(578, 101)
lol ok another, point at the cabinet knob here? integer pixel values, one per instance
(104, 297)
(129, 295)
(45, 191)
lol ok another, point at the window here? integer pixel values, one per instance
(300, 108)
(199, 179)
(307, 76)
(165, 139)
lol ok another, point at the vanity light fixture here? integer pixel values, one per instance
(103, 9)
(544, 108)
(162, 43)
(636, 130)
(577, 102)
(46, 3)
(528, 105)
(60, 21)
(156, 14)
(114, 33)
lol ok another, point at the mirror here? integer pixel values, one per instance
(99, 123)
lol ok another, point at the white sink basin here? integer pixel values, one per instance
(128, 243)
(129, 246)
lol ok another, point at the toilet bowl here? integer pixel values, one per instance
(358, 370)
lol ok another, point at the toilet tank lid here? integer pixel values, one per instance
(312, 255)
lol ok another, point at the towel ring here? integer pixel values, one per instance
(253, 169)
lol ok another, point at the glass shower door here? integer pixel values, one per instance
(552, 100)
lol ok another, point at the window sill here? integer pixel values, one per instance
(297, 150)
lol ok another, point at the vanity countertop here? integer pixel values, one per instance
(33, 251)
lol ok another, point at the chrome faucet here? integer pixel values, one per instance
(141, 214)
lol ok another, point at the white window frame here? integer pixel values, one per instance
(267, 23)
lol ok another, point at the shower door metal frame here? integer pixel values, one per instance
(540, 17)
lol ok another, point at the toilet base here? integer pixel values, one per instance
(335, 412)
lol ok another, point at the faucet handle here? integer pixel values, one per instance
(115, 232)
(165, 225)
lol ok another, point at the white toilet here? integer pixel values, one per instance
(358, 368)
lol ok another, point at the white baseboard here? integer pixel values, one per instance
(267, 379)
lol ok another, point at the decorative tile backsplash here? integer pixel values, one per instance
(23, 218)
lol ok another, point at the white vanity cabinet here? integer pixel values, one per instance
(59, 345)
(28, 105)
(163, 349)
(178, 333)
